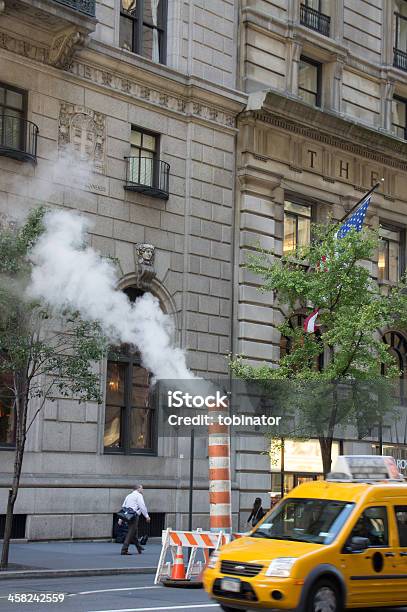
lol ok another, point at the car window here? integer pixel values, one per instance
(401, 517)
(372, 524)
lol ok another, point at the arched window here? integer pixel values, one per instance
(286, 342)
(130, 409)
(397, 344)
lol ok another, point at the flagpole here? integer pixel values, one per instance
(361, 200)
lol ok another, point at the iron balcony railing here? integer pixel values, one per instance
(18, 138)
(315, 20)
(400, 59)
(148, 175)
(88, 7)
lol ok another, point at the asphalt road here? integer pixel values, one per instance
(107, 594)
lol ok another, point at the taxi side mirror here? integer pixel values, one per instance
(357, 544)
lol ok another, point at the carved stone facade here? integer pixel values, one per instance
(83, 131)
(89, 96)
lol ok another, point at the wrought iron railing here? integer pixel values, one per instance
(315, 20)
(148, 175)
(88, 7)
(400, 59)
(18, 138)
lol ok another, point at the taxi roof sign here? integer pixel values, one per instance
(365, 468)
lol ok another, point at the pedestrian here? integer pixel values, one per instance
(257, 512)
(135, 501)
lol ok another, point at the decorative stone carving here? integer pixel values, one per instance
(83, 131)
(64, 46)
(145, 256)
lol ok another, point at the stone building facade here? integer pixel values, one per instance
(244, 121)
(154, 81)
(325, 121)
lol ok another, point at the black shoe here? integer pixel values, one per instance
(125, 552)
(140, 549)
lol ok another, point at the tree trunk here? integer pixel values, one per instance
(326, 454)
(21, 418)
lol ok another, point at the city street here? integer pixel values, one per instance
(108, 594)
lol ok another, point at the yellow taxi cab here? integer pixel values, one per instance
(328, 545)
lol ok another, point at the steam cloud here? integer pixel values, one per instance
(67, 273)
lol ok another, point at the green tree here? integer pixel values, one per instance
(43, 354)
(354, 386)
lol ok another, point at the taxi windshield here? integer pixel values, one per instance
(305, 520)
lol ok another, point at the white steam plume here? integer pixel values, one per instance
(67, 273)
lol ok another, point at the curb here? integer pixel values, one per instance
(64, 573)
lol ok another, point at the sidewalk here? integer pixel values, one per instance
(48, 559)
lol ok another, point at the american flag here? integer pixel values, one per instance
(356, 220)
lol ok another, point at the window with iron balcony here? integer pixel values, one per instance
(400, 35)
(314, 15)
(18, 137)
(145, 172)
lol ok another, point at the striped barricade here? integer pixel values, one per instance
(194, 540)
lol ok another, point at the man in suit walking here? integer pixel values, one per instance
(135, 501)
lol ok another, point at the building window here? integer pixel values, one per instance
(18, 137)
(314, 14)
(143, 154)
(130, 408)
(309, 81)
(389, 259)
(399, 117)
(143, 28)
(145, 171)
(400, 42)
(297, 226)
(288, 343)
(7, 411)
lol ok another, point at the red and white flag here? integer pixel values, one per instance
(309, 323)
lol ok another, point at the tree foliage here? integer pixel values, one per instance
(333, 275)
(44, 354)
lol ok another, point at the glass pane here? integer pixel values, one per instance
(382, 265)
(304, 233)
(372, 525)
(140, 387)
(146, 168)
(14, 99)
(298, 209)
(289, 234)
(149, 142)
(399, 113)
(126, 33)
(309, 98)
(308, 77)
(115, 383)
(11, 134)
(402, 34)
(150, 44)
(141, 428)
(129, 5)
(135, 138)
(112, 435)
(401, 516)
(390, 234)
(394, 250)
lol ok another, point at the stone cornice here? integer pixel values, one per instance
(130, 76)
(327, 128)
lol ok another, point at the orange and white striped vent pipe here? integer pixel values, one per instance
(220, 508)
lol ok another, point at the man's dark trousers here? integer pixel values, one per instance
(132, 533)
